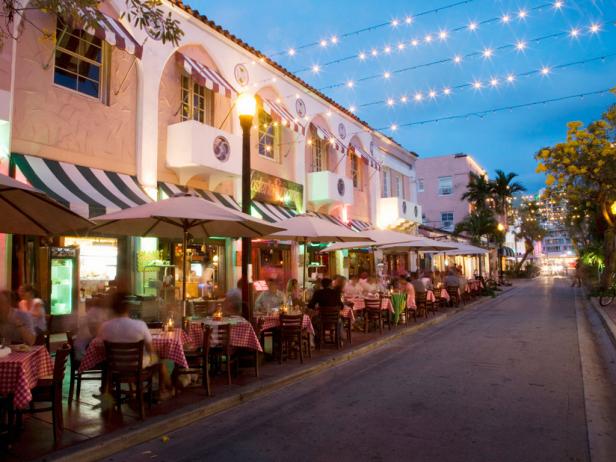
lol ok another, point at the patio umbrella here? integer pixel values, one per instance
(304, 228)
(379, 236)
(420, 243)
(25, 210)
(179, 217)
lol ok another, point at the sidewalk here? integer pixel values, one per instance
(88, 436)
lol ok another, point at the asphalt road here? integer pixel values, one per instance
(501, 382)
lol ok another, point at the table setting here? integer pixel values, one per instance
(242, 332)
(20, 368)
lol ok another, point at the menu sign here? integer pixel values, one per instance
(275, 190)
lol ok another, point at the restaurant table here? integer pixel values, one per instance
(270, 321)
(242, 333)
(360, 304)
(167, 345)
(431, 297)
(19, 373)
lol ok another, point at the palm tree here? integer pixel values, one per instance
(478, 190)
(530, 230)
(503, 188)
(478, 224)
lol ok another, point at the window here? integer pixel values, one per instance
(354, 168)
(269, 136)
(445, 186)
(79, 61)
(319, 152)
(197, 101)
(386, 189)
(420, 185)
(399, 187)
(446, 220)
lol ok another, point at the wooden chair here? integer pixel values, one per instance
(44, 338)
(424, 306)
(292, 336)
(330, 322)
(374, 313)
(76, 376)
(125, 366)
(347, 326)
(49, 390)
(217, 349)
(454, 294)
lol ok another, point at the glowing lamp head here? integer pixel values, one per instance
(246, 105)
(613, 208)
(501, 227)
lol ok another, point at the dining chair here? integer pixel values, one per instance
(44, 337)
(49, 390)
(424, 306)
(77, 377)
(330, 323)
(292, 337)
(374, 313)
(454, 294)
(125, 366)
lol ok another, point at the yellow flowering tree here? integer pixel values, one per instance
(581, 173)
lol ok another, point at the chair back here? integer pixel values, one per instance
(453, 291)
(373, 304)
(216, 338)
(59, 365)
(124, 358)
(70, 339)
(420, 298)
(329, 315)
(291, 324)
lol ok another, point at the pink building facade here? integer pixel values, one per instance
(441, 182)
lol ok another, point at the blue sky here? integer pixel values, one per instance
(506, 139)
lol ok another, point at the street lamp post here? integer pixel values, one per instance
(501, 229)
(246, 108)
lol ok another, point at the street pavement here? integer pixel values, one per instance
(499, 382)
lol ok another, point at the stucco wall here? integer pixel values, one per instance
(58, 123)
(361, 195)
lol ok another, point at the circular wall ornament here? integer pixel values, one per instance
(342, 130)
(241, 74)
(300, 107)
(341, 186)
(222, 148)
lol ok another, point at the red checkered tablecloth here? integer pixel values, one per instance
(19, 373)
(167, 345)
(360, 304)
(242, 333)
(271, 321)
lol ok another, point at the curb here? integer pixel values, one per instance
(607, 322)
(107, 445)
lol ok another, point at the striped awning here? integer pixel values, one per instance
(326, 135)
(367, 158)
(114, 33)
(333, 219)
(359, 225)
(404, 226)
(205, 76)
(90, 192)
(268, 212)
(280, 114)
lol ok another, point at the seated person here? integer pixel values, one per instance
(419, 284)
(452, 279)
(96, 315)
(294, 292)
(37, 311)
(233, 301)
(326, 296)
(371, 286)
(427, 280)
(408, 287)
(270, 299)
(15, 325)
(122, 329)
(339, 283)
(353, 289)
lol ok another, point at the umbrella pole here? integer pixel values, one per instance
(184, 252)
(305, 257)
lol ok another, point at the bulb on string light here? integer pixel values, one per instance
(520, 45)
(386, 75)
(472, 26)
(404, 99)
(418, 96)
(574, 32)
(350, 84)
(323, 43)
(443, 35)
(362, 56)
(594, 28)
(506, 18)
(395, 23)
(274, 79)
(487, 53)
(387, 49)
(545, 70)
(401, 46)
(477, 85)
(374, 52)
(428, 38)
(558, 4)
(510, 78)
(522, 14)
(394, 127)
(457, 59)
(415, 42)
(316, 68)
(447, 91)
(334, 39)
(291, 51)
(494, 82)
(432, 94)
(408, 20)
(328, 113)
(278, 100)
(390, 102)
(352, 109)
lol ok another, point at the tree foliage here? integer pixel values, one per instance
(581, 173)
(478, 191)
(530, 229)
(143, 14)
(478, 224)
(503, 188)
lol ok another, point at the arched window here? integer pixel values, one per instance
(197, 101)
(355, 173)
(318, 151)
(270, 135)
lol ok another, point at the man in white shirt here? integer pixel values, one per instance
(353, 289)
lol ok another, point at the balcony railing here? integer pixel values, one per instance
(393, 210)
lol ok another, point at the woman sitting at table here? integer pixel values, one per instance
(410, 292)
(353, 288)
(294, 292)
(371, 286)
(15, 325)
(122, 329)
(270, 299)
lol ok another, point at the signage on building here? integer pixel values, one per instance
(275, 190)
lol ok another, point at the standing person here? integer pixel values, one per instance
(26, 297)
(15, 325)
(577, 274)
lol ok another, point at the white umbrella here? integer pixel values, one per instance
(379, 236)
(309, 228)
(25, 210)
(465, 249)
(179, 216)
(421, 243)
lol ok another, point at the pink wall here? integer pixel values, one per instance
(430, 169)
(58, 123)
(361, 195)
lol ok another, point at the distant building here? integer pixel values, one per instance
(441, 182)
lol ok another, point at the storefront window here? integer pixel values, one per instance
(98, 262)
(205, 268)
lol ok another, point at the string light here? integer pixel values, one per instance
(390, 101)
(352, 109)
(472, 26)
(506, 18)
(395, 23)
(574, 32)
(362, 56)
(494, 82)
(558, 4)
(415, 42)
(522, 14)
(457, 59)
(442, 35)
(386, 75)
(432, 94)
(291, 51)
(510, 78)
(374, 52)
(477, 85)
(387, 49)
(394, 127)
(428, 38)
(446, 91)
(350, 84)
(334, 39)
(594, 28)
(520, 45)
(404, 99)
(545, 70)
(487, 53)
(408, 20)
(418, 96)
(323, 43)
(401, 46)
(316, 68)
